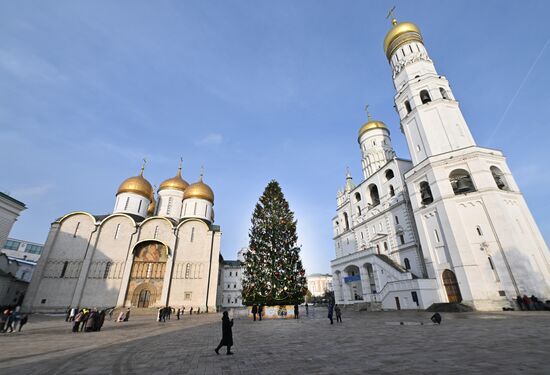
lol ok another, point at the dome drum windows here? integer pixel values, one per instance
(461, 181)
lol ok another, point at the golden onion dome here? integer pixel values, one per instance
(174, 183)
(137, 185)
(400, 33)
(199, 190)
(370, 125)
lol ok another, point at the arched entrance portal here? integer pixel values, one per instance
(353, 283)
(147, 276)
(144, 298)
(451, 286)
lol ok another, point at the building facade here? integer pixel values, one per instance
(10, 209)
(230, 284)
(148, 252)
(451, 225)
(318, 284)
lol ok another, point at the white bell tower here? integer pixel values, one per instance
(478, 237)
(430, 116)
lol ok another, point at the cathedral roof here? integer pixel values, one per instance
(199, 190)
(137, 185)
(372, 124)
(175, 183)
(400, 33)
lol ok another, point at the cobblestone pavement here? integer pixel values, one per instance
(376, 343)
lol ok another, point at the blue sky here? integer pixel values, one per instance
(252, 90)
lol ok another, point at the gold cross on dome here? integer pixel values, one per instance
(390, 14)
(143, 166)
(368, 113)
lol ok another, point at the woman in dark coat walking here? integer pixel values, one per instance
(227, 334)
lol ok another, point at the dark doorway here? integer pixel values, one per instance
(397, 304)
(451, 287)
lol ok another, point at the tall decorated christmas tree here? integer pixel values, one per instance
(273, 273)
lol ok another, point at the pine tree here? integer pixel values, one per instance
(273, 270)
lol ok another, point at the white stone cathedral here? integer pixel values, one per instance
(147, 253)
(450, 225)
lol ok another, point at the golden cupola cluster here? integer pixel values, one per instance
(400, 33)
(199, 190)
(139, 185)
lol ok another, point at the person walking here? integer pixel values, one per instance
(9, 320)
(254, 311)
(260, 311)
(77, 319)
(68, 314)
(296, 311)
(178, 313)
(330, 312)
(23, 321)
(338, 312)
(127, 315)
(307, 309)
(227, 334)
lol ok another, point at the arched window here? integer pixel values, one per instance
(425, 97)
(407, 264)
(357, 197)
(346, 221)
(64, 269)
(498, 176)
(408, 106)
(389, 174)
(358, 210)
(479, 231)
(443, 93)
(392, 191)
(386, 246)
(374, 197)
(426, 193)
(107, 270)
(461, 181)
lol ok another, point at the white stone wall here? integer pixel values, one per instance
(230, 286)
(131, 203)
(198, 208)
(97, 258)
(170, 203)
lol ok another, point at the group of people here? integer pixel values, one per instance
(531, 303)
(166, 312)
(257, 310)
(332, 309)
(86, 320)
(11, 319)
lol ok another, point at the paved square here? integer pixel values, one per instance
(467, 343)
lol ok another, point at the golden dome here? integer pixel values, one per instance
(400, 34)
(137, 185)
(372, 124)
(199, 190)
(175, 183)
